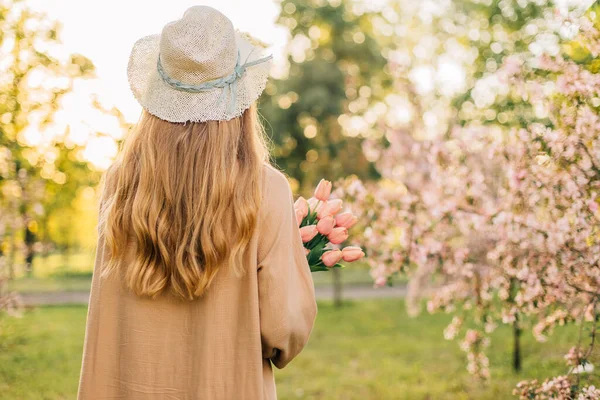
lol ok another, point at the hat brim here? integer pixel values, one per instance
(170, 104)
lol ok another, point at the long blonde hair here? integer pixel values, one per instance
(188, 195)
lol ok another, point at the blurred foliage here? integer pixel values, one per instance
(336, 70)
(497, 32)
(442, 56)
(41, 167)
(578, 49)
(499, 29)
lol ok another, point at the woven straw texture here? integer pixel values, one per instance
(200, 47)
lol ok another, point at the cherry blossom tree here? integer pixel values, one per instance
(496, 224)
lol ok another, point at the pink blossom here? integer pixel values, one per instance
(497, 220)
(380, 281)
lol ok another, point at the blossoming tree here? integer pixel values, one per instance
(502, 223)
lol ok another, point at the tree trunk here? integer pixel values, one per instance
(517, 345)
(66, 256)
(29, 250)
(12, 254)
(337, 287)
(45, 237)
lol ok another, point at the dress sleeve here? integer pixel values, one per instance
(286, 290)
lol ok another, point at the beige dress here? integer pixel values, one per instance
(219, 347)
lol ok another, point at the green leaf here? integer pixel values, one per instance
(314, 257)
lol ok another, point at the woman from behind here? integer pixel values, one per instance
(200, 283)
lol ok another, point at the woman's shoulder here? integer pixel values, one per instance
(276, 191)
(275, 181)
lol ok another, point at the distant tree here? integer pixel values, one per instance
(336, 72)
(484, 216)
(317, 113)
(39, 167)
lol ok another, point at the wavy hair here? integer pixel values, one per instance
(187, 195)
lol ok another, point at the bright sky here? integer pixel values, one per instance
(105, 31)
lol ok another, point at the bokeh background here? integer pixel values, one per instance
(347, 74)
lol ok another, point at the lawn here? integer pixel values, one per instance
(365, 350)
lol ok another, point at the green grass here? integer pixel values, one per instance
(366, 350)
(40, 354)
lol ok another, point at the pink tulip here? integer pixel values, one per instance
(308, 233)
(346, 219)
(330, 207)
(323, 190)
(338, 235)
(352, 253)
(301, 205)
(299, 217)
(331, 257)
(325, 225)
(312, 203)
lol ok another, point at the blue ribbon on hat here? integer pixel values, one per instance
(230, 81)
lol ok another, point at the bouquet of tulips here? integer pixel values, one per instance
(322, 226)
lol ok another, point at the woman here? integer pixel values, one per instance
(201, 281)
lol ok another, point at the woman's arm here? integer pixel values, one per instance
(286, 290)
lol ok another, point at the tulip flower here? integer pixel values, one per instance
(325, 225)
(308, 233)
(345, 219)
(338, 235)
(323, 190)
(329, 207)
(299, 216)
(352, 253)
(312, 203)
(301, 205)
(331, 257)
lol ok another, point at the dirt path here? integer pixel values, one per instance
(323, 293)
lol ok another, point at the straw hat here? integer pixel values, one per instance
(198, 69)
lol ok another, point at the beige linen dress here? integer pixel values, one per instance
(218, 347)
